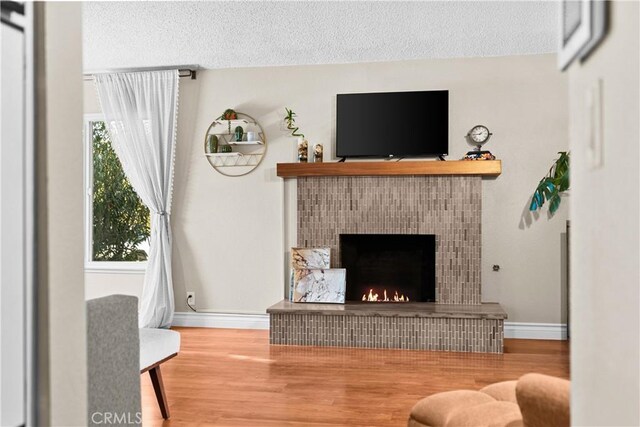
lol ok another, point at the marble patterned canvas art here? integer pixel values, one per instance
(310, 258)
(319, 285)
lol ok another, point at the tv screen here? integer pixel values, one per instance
(393, 124)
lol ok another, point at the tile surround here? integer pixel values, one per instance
(448, 206)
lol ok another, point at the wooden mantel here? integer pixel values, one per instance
(362, 168)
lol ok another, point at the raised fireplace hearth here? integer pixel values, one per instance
(389, 267)
(412, 326)
(444, 311)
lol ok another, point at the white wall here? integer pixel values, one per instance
(103, 284)
(60, 213)
(13, 228)
(605, 277)
(231, 234)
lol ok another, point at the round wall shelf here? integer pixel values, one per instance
(236, 157)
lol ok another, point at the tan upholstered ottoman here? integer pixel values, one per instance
(534, 400)
(494, 405)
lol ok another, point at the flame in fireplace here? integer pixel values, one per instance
(374, 297)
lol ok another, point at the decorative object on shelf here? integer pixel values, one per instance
(319, 285)
(318, 152)
(552, 185)
(235, 155)
(251, 136)
(228, 115)
(291, 123)
(478, 135)
(479, 155)
(303, 144)
(583, 25)
(239, 132)
(212, 144)
(303, 150)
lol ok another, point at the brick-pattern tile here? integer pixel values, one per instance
(414, 333)
(450, 207)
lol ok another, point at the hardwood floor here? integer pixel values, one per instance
(233, 377)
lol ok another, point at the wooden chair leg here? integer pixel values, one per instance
(158, 387)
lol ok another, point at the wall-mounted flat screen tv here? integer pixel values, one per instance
(393, 124)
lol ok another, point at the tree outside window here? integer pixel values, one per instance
(120, 221)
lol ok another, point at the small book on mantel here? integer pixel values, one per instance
(479, 155)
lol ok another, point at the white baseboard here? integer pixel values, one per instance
(221, 320)
(535, 331)
(532, 331)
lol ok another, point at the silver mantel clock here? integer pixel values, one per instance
(479, 135)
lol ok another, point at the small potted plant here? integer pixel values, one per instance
(229, 114)
(303, 144)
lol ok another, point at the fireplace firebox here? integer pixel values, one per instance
(389, 267)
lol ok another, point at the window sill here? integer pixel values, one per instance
(115, 268)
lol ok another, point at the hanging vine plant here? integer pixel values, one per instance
(552, 185)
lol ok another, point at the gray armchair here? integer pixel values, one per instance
(113, 361)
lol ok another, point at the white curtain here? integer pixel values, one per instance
(141, 111)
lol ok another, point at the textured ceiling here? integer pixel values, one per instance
(244, 34)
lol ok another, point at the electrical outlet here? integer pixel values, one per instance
(191, 299)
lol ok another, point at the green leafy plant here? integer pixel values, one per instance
(229, 114)
(120, 219)
(552, 185)
(291, 123)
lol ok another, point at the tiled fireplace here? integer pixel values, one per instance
(337, 211)
(449, 207)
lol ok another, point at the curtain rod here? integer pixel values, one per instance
(183, 71)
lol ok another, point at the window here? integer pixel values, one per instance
(118, 224)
